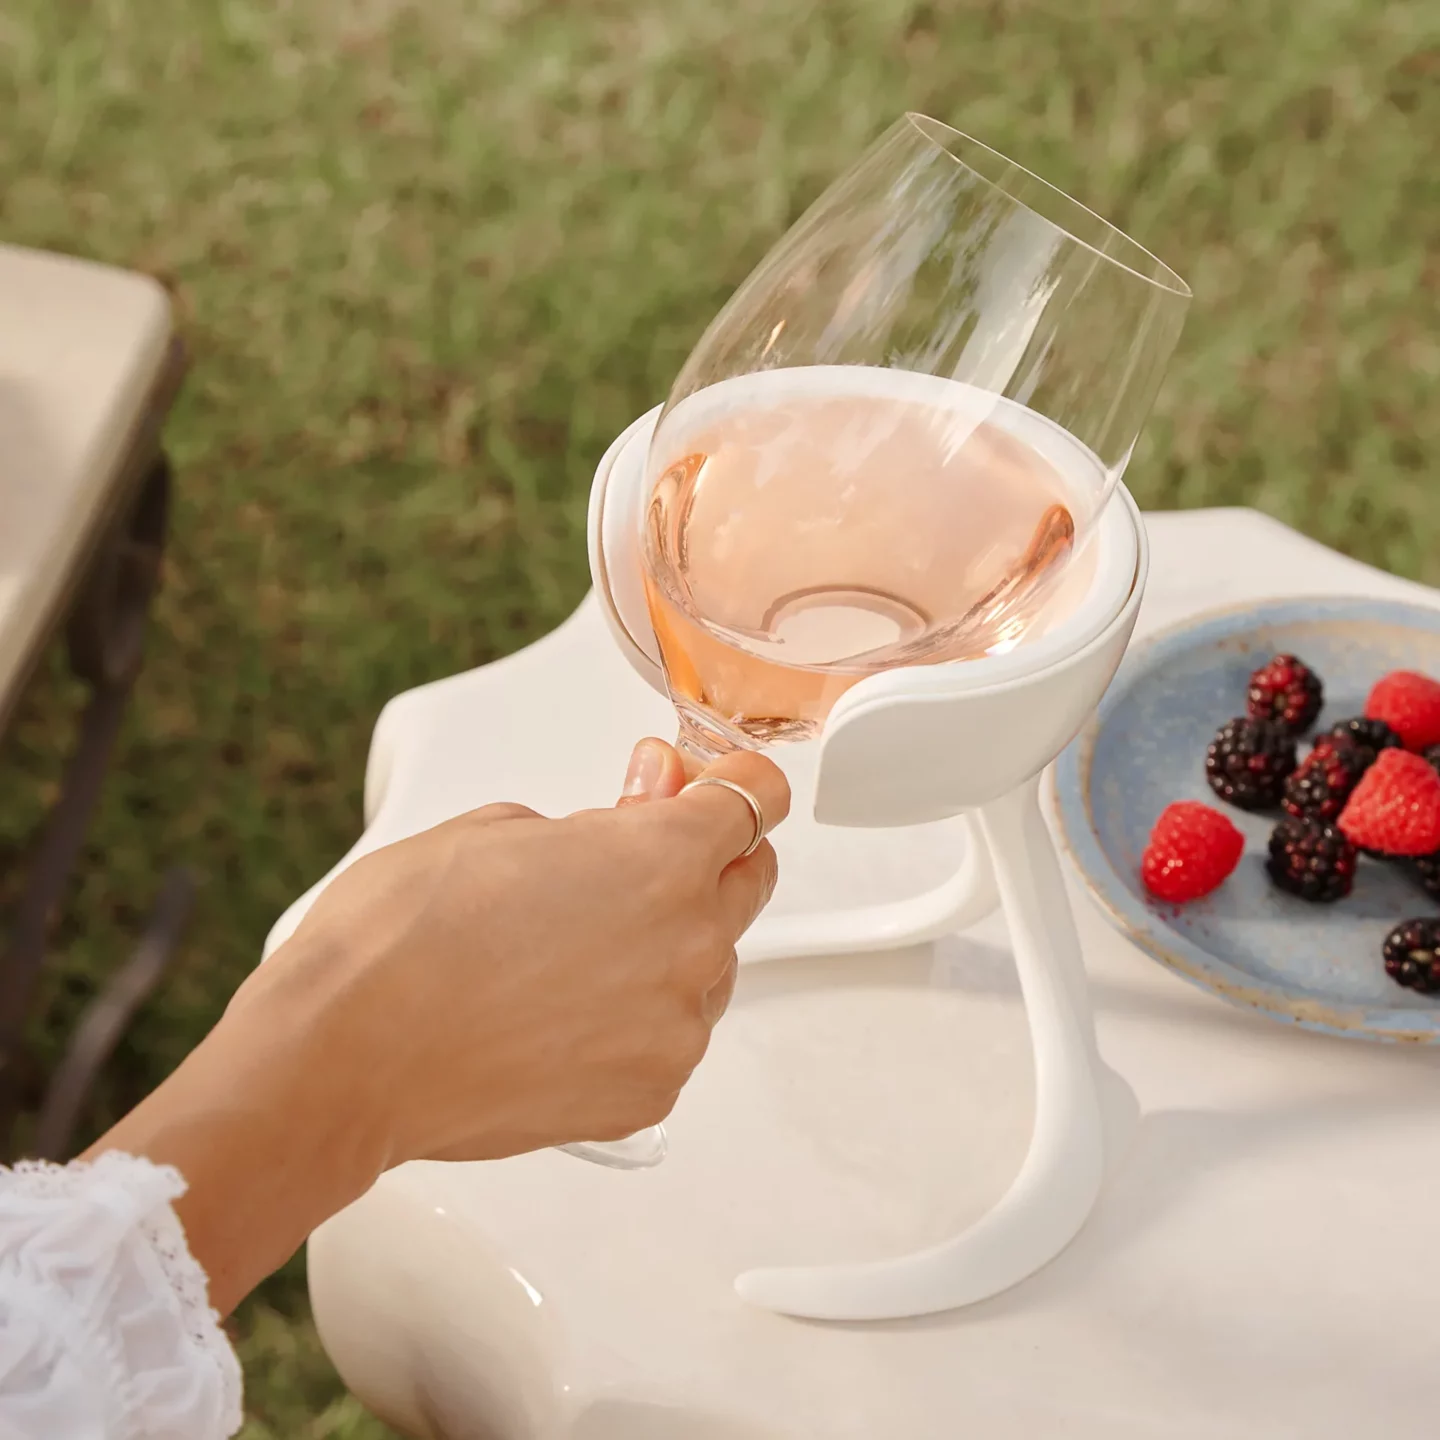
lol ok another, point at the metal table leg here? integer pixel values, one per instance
(108, 1016)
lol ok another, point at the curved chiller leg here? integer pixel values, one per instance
(1081, 1111)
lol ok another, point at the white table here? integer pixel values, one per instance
(1263, 1266)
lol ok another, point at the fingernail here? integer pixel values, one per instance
(647, 764)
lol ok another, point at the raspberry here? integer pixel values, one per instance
(1286, 691)
(1395, 808)
(1321, 785)
(1311, 860)
(1372, 736)
(1247, 762)
(1192, 849)
(1409, 704)
(1412, 955)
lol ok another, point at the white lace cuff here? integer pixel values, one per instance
(106, 1330)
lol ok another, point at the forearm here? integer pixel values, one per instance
(267, 1148)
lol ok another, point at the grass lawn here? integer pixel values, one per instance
(431, 256)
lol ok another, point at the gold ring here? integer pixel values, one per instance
(756, 813)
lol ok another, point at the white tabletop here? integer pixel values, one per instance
(81, 346)
(1262, 1266)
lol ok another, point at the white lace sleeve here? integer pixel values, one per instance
(106, 1331)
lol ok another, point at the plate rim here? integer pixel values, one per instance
(1146, 928)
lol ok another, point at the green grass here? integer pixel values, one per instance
(431, 257)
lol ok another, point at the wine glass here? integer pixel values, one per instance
(896, 435)
(891, 442)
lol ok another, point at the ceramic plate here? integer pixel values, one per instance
(1317, 966)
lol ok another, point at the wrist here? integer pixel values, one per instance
(270, 1147)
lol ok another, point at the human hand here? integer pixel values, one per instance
(497, 984)
(505, 982)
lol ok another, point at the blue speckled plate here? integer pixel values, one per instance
(1310, 965)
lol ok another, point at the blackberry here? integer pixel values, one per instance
(1286, 691)
(1411, 957)
(1320, 786)
(1426, 869)
(1311, 860)
(1247, 762)
(1372, 736)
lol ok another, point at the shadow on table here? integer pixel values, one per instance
(1176, 1154)
(986, 971)
(637, 1420)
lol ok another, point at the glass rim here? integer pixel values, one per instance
(1164, 278)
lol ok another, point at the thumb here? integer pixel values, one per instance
(656, 773)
